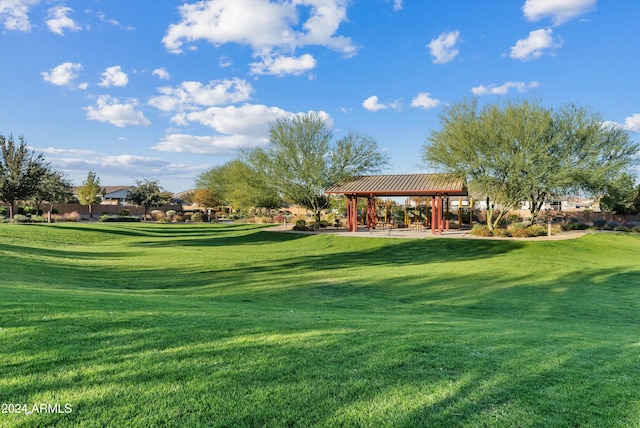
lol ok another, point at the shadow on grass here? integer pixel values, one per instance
(184, 362)
(309, 337)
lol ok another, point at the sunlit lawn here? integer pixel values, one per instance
(206, 325)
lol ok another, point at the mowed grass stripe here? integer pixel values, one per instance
(210, 325)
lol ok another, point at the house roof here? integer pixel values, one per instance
(118, 192)
(401, 185)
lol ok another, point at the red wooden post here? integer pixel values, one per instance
(440, 215)
(446, 216)
(433, 215)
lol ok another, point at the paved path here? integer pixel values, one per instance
(426, 234)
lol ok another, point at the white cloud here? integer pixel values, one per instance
(372, 104)
(235, 127)
(247, 120)
(204, 144)
(57, 20)
(397, 5)
(271, 29)
(191, 95)
(504, 88)
(110, 110)
(632, 123)
(224, 61)
(162, 73)
(444, 49)
(114, 76)
(64, 75)
(283, 65)
(15, 14)
(560, 11)
(424, 100)
(534, 45)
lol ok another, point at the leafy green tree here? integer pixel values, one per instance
(21, 170)
(90, 192)
(148, 193)
(53, 188)
(520, 151)
(236, 184)
(301, 161)
(622, 196)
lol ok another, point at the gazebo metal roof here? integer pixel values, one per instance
(401, 185)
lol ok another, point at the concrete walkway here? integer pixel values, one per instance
(425, 234)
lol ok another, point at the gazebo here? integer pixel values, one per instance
(438, 187)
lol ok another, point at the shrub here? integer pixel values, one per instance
(170, 213)
(124, 213)
(556, 228)
(197, 217)
(3, 210)
(611, 225)
(631, 224)
(513, 218)
(38, 219)
(324, 223)
(636, 229)
(622, 229)
(300, 225)
(537, 230)
(20, 218)
(73, 216)
(118, 219)
(576, 226)
(519, 233)
(480, 230)
(157, 214)
(501, 233)
(599, 223)
(29, 210)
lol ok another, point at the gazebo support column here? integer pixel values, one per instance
(434, 215)
(446, 215)
(371, 212)
(439, 215)
(352, 213)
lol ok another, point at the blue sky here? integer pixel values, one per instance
(165, 89)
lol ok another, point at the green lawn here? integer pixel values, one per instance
(205, 325)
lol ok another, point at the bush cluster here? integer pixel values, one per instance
(106, 218)
(301, 224)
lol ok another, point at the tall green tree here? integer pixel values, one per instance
(90, 192)
(148, 193)
(301, 160)
(622, 197)
(21, 170)
(235, 183)
(521, 151)
(53, 188)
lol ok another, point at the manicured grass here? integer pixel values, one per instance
(204, 325)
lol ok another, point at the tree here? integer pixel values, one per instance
(90, 191)
(301, 162)
(53, 188)
(521, 151)
(206, 198)
(21, 170)
(147, 193)
(236, 184)
(622, 196)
